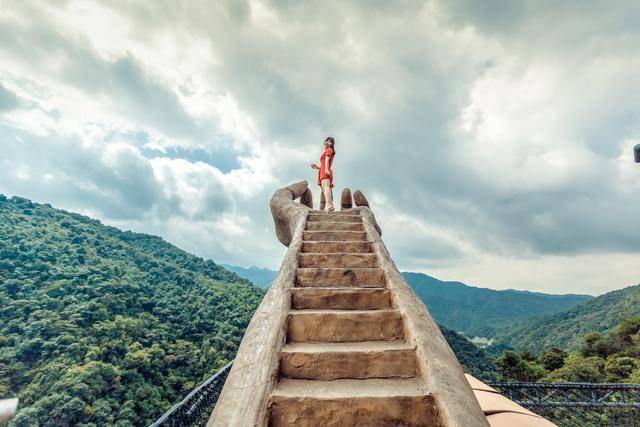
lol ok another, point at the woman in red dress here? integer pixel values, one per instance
(325, 173)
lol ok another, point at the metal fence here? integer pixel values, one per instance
(565, 404)
(578, 404)
(194, 410)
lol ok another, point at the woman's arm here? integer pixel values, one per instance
(314, 166)
(327, 166)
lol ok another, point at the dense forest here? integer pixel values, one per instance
(565, 329)
(479, 312)
(100, 326)
(612, 357)
(473, 359)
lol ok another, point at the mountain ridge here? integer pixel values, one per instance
(261, 277)
(479, 312)
(440, 296)
(99, 325)
(564, 329)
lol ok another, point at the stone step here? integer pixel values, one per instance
(334, 236)
(371, 402)
(336, 247)
(334, 226)
(341, 218)
(340, 277)
(338, 260)
(340, 298)
(360, 360)
(344, 325)
(335, 213)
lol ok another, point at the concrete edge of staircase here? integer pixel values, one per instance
(258, 358)
(444, 375)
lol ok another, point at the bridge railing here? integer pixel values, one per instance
(194, 410)
(565, 404)
(578, 404)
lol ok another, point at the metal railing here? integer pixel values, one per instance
(578, 404)
(194, 410)
(566, 404)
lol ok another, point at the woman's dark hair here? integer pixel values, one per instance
(333, 143)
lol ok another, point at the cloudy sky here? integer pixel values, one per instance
(494, 139)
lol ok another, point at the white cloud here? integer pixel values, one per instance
(488, 145)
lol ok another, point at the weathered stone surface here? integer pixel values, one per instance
(341, 299)
(334, 226)
(346, 202)
(257, 360)
(359, 199)
(287, 214)
(337, 247)
(344, 326)
(360, 360)
(353, 403)
(345, 212)
(258, 357)
(333, 217)
(445, 377)
(334, 235)
(327, 316)
(336, 277)
(306, 198)
(337, 260)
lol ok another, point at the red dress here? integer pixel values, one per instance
(322, 173)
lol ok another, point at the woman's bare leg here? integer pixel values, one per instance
(328, 195)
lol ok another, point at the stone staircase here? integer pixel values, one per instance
(340, 338)
(346, 360)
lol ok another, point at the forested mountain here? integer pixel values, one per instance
(480, 311)
(565, 329)
(612, 357)
(100, 326)
(474, 359)
(261, 277)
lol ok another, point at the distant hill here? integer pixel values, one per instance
(476, 312)
(104, 327)
(565, 329)
(261, 277)
(473, 359)
(480, 311)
